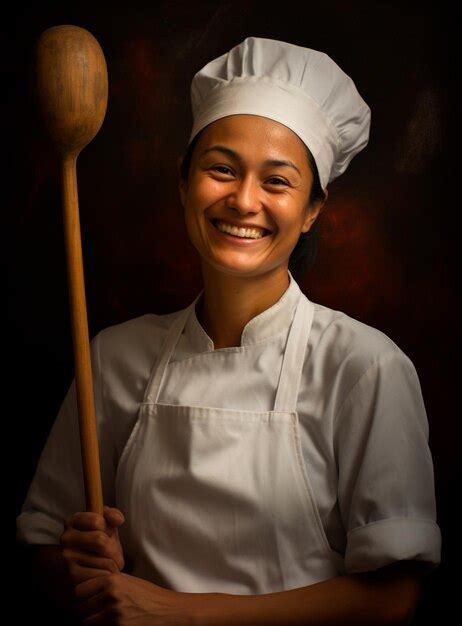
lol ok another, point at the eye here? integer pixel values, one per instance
(221, 167)
(279, 180)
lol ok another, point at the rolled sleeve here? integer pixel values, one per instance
(57, 487)
(380, 543)
(385, 471)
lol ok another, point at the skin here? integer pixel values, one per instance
(91, 542)
(239, 283)
(104, 595)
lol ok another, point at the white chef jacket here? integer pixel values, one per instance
(363, 425)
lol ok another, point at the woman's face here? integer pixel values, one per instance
(237, 178)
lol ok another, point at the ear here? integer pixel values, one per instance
(313, 211)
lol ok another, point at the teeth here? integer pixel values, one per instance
(252, 233)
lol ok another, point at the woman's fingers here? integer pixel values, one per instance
(91, 543)
(78, 573)
(85, 520)
(95, 541)
(85, 559)
(113, 516)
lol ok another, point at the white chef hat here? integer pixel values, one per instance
(303, 89)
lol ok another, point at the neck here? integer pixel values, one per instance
(230, 302)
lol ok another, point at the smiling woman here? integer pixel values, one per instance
(264, 458)
(304, 253)
(248, 171)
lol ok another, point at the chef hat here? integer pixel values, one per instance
(303, 89)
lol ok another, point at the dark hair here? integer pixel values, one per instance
(304, 253)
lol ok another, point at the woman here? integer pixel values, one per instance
(254, 443)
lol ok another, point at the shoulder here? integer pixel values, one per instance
(138, 338)
(148, 324)
(348, 347)
(364, 378)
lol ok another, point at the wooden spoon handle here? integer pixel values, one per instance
(80, 338)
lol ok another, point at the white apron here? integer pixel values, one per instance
(219, 500)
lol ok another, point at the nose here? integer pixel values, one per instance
(245, 196)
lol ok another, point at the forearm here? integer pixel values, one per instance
(344, 600)
(49, 574)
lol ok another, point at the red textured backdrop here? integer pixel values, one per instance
(387, 239)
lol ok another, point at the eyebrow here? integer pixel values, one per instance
(235, 155)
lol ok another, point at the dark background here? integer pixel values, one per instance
(388, 237)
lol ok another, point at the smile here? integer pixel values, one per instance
(242, 233)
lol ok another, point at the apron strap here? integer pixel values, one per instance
(294, 356)
(158, 371)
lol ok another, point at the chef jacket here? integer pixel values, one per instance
(363, 425)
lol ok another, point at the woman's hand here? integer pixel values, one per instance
(124, 600)
(91, 545)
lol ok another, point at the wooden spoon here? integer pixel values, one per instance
(71, 84)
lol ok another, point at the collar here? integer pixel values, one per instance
(266, 324)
